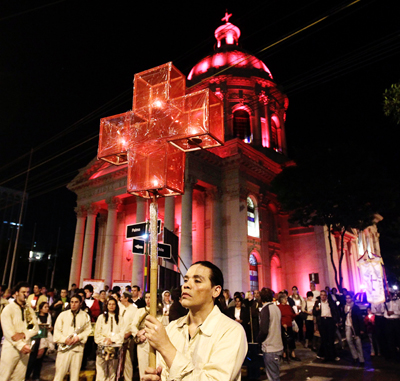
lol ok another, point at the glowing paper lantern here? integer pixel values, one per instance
(163, 124)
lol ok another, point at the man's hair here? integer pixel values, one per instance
(136, 286)
(285, 292)
(116, 289)
(88, 287)
(19, 285)
(176, 294)
(266, 295)
(282, 296)
(309, 293)
(39, 285)
(237, 293)
(77, 296)
(115, 295)
(128, 296)
(63, 289)
(73, 284)
(323, 291)
(216, 277)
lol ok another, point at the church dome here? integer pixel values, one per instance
(228, 56)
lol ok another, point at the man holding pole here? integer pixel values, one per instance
(205, 344)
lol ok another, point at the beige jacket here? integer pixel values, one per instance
(64, 328)
(215, 352)
(12, 323)
(110, 330)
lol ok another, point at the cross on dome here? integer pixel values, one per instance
(227, 16)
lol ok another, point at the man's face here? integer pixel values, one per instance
(43, 290)
(123, 299)
(88, 294)
(197, 290)
(147, 299)
(324, 296)
(312, 286)
(36, 290)
(21, 295)
(135, 293)
(257, 295)
(63, 293)
(75, 304)
(349, 299)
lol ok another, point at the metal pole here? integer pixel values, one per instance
(153, 270)
(55, 258)
(32, 246)
(20, 221)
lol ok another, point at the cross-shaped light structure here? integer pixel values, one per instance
(164, 123)
(227, 16)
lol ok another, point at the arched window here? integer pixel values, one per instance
(275, 124)
(253, 272)
(241, 125)
(276, 273)
(252, 218)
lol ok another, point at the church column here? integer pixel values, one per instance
(109, 245)
(186, 226)
(265, 100)
(138, 260)
(169, 218)
(215, 255)
(257, 124)
(101, 220)
(86, 270)
(76, 262)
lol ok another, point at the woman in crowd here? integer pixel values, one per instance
(241, 314)
(308, 309)
(166, 301)
(288, 316)
(138, 332)
(353, 324)
(109, 336)
(40, 342)
(299, 304)
(102, 299)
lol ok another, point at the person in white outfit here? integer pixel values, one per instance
(71, 331)
(109, 336)
(203, 345)
(19, 324)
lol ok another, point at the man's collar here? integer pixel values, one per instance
(208, 325)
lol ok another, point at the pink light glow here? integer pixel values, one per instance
(219, 60)
(229, 38)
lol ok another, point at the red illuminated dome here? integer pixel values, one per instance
(228, 55)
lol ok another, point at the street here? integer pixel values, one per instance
(310, 368)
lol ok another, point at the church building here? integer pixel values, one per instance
(227, 214)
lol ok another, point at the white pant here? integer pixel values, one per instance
(68, 361)
(356, 350)
(128, 367)
(143, 357)
(13, 363)
(106, 370)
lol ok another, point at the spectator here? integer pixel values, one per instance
(315, 292)
(72, 291)
(103, 299)
(287, 317)
(327, 319)
(35, 299)
(176, 310)
(240, 314)
(269, 335)
(369, 322)
(140, 303)
(354, 329)
(299, 305)
(308, 309)
(60, 304)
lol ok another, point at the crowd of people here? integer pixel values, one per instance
(113, 329)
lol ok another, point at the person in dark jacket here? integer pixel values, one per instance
(354, 327)
(327, 319)
(176, 310)
(60, 304)
(241, 315)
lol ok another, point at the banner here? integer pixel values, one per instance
(371, 272)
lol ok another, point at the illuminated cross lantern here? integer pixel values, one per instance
(164, 124)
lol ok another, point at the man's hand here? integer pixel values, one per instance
(18, 336)
(107, 341)
(26, 349)
(151, 374)
(157, 337)
(58, 303)
(127, 335)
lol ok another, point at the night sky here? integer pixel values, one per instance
(65, 64)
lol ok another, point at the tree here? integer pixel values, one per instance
(338, 189)
(391, 102)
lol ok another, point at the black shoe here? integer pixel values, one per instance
(355, 361)
(362, 363)
(295, 358)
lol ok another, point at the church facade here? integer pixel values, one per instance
(227, 214)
